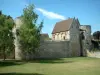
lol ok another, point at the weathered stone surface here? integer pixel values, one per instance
(54, 49)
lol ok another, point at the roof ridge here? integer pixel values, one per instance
(71, 23)
(62, 25)
(65, 20)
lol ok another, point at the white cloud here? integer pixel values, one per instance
(51, 15)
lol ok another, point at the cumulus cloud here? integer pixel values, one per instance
(51, 15)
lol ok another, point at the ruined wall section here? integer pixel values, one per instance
(86, 43)
(16, 42)
(87, 34)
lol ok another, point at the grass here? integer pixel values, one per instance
(64, 66)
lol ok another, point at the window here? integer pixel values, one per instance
(64, 37)
(54, 37)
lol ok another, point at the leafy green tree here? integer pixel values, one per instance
(29, 32)
(6, 35)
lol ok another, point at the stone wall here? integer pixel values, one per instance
(52, 49)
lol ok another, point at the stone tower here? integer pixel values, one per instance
(87, 37)
(16, 42)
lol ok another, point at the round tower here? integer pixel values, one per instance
(16, 42)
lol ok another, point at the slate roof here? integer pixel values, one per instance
(62, 25)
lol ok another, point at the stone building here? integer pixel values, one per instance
(71, 30)
(66, 40)
(61, 30)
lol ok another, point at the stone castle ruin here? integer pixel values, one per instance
(69, 39)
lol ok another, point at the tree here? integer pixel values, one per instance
(6, 35)
(96, 35)
(29, 32)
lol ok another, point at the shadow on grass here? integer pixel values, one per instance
(51, 61)
(20, 74)
(43, 61)
(10, 63)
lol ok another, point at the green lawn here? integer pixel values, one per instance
(65, 66)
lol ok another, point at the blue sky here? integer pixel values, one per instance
(52, 11)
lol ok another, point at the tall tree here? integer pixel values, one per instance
(29, 32)
(6, 35)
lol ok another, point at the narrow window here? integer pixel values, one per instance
(64, 37)
(54, 37)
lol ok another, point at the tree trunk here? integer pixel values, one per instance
(14, 53)
(4, 55)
